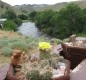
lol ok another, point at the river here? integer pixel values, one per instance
(30, 29)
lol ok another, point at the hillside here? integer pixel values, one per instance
(4, 6)
(56, 7)
(19, 9)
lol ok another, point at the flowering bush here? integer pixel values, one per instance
(44, 45)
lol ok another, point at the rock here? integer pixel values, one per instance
(73, 39)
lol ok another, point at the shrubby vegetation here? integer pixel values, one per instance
(9, 14)
(10, 25)
(6, 51)
(18, 21)
(62, 24)
(12, 22)
(23, 17)
(7, 43)
(32, 15)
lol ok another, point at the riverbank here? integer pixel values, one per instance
(30, 29)
(25, 21)
(10, 41)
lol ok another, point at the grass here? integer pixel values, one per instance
(25, 20)
(4, 60)
(81, 34)
(11, 40)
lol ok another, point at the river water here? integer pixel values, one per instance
(30, 29)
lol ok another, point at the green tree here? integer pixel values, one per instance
(23, 17)
(10, 25)
(10, 14)
(70, 21)
(62, 24)
(84, 20)
(32, 15)
(43, 19)
(18, 21)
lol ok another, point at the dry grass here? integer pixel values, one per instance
(9, 34)
(4, 60)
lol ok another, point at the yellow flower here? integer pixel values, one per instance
(44, 45)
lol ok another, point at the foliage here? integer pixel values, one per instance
(10, 25)
(18, 21)
(9, 14)
(66, 40)
(3, 43)
(6, 51)
(23, 17)
(43, 19)
(32, 75)
(69, 20)
(19, 45)
(43, 67)
(44, 55)
(22, 43)
(47, 76)
(40, 71)
(55, 40)
(81, 34)
(72, 22)
(32, 15)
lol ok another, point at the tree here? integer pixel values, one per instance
(10, 25)
(43, 19)
(23, 17)
(18, 21)
(70, 21)
(10, 14)
(32, 15)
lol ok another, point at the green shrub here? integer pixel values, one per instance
(32, 45)
(81, 34)
(29, 39)
(11, 40)
(44, 55)
(33, 75)
(18, 21)
(3, 43)
(58, 41)
(6, 51)
(10, 25)
(47, 76)
(19, 45)
(66, 40)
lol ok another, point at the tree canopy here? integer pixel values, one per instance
(62, 24)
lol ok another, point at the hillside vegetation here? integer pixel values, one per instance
(28, 8)
(25, 9)
(10, 41)
(63, 23)
(4, 6)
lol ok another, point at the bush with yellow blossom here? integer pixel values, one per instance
(44, 46)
